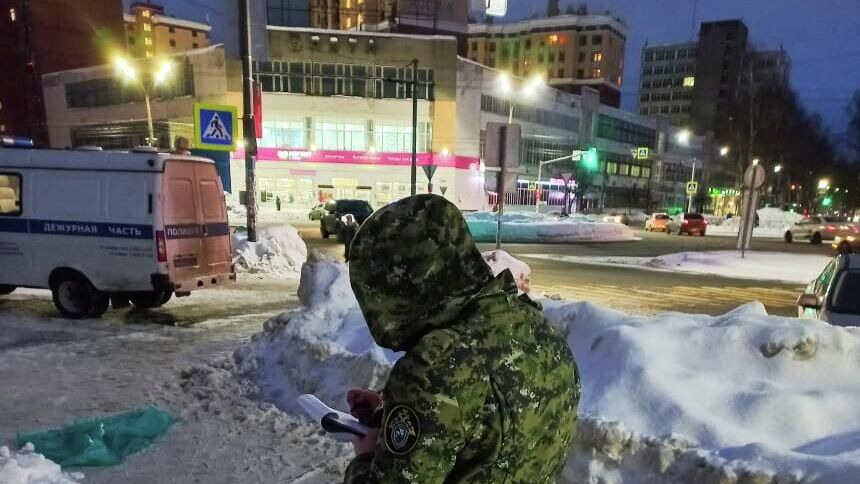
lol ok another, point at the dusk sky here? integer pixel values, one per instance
(822, 37)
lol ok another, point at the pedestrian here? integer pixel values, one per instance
(278, 203)
(181, 146)
(350, 227)
(486, 391)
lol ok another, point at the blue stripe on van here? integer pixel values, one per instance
(84, 229)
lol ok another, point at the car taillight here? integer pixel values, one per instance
(855, 230)
(685, 222)
(161, 246)
(831, 227)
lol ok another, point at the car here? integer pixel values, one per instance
(335, 210)
(688, 223)
(847, 244)
(657, 222)
(616, 217)
(832, 296)
(317, 212)
(818, 228)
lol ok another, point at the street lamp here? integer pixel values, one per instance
(755, 161)
(683, 136)
(156, 75)
(823, 184)
(527, 90)
(777, 168)
(724, 151)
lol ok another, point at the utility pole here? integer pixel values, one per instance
(248, 119)
(414, 125)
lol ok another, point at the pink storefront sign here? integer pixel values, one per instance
(362, 158)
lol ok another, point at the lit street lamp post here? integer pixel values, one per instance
(150, 80)
(527, 91)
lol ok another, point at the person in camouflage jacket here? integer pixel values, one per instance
(487, 391)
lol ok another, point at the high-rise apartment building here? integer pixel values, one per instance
(150, 33)
(569, 51)
(694, 84)
(667, 81)
(48, 36)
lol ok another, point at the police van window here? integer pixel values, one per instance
(10, 194)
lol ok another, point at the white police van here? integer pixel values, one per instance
(94, 225)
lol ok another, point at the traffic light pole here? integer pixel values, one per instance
(573, 156)
(690, 195)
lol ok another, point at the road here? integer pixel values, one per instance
(639, 291)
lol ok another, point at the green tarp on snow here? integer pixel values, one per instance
(101, 441)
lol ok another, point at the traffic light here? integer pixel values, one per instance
(827, 201)
(590, 159)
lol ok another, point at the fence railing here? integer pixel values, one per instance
(524, 196)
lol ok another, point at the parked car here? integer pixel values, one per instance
(832, 297)
(317, 212)
(819, 228)
(616, 217)
(688, 223)
(332, 222)
(657, 222)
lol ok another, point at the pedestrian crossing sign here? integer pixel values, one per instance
(215, 127)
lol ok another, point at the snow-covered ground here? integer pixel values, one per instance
(530, 227)
(765, 266)
(773, 222)
(279, 251)
(266, 214)
(29, 467)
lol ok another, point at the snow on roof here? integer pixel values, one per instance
(559, 22)
(166, 20)
(358, 33)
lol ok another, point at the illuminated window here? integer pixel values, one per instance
(147, 27)
(146, 13)
(597, 57)
(12, 14)
(595, 72)
(360, 17)
(147, 40)
(148, 54)
(348, 3)
(348, 22)
(553, 39)
(689, 81)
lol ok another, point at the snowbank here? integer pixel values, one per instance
(737, 398)
(279, 251)
(266, 213)
(28, 467)
(499, 260)
(701, 397)
(540, 228)
(768, 266)
(772, 222)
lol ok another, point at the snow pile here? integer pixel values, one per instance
(536, 228)
(323, 348)
(769, 266)
(499, 260)
(28, 467)
(236, 212)
(278, 251)
(772, 222)
(732, 398)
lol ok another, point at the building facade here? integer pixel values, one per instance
(667, 80)
(37, 38)
(569, 51)
(151, 33)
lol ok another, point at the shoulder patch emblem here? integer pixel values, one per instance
(402, 430)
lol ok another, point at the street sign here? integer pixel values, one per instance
(443, 189)
(642, 153)
(492, 155)
(692, 187)
(754, 177)
(496, 8)
(429, 170)
(215, 127)
(532, 186)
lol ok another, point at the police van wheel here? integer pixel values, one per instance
(6, 289)
(148, 300)
(76, 298)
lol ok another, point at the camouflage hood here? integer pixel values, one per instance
(413, 268)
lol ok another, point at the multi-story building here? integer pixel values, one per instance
(400, 16)
(37, 38)
(337, 122)
(770, 67)
(151, 33)
(667, 81)
(569, 51)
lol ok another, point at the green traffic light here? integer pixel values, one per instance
(590, 159)
(827, 201)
